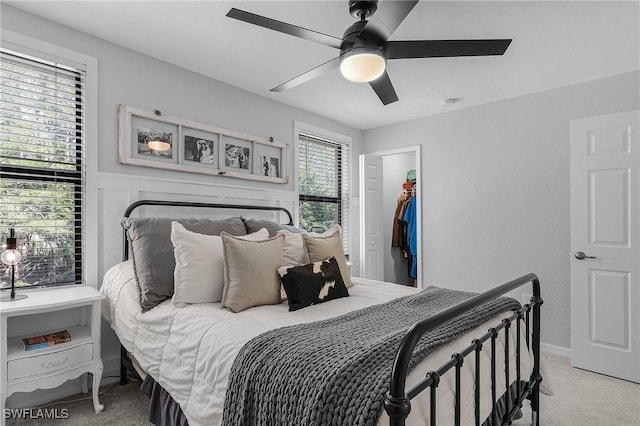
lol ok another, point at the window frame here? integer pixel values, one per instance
(322, 198)
(303, 129)
(86, 244)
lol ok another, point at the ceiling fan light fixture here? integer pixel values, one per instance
(362, 65)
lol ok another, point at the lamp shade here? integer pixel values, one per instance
(362, 65)
(11, 257)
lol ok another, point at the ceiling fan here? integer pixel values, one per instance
(365, 48)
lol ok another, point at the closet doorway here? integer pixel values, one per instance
(382, 175)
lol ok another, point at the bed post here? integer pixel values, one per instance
(397, 409)
(123, 367)
(535, 393)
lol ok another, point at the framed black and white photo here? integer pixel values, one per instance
(237, 155)
(154, 142)
(268, 160)
(153, 139)
(199, 148)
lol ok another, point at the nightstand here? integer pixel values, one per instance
(76, 309)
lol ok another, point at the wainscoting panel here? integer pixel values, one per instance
(116, 192)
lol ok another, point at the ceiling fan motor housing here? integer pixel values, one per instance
(363, 55)
(357, 36)
(362, 9)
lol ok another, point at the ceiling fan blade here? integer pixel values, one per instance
(302, 78)
(384, 89)
(283, 27)
(389, 16)
(445, 48)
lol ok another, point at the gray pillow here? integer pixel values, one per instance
(152, 251)
(251, 272)
(254, 225)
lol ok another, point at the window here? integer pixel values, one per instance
(42, 167)
(324, 183)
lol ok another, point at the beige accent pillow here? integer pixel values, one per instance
(293, 253)
(199, 273)
(250, 272)
(323, 246)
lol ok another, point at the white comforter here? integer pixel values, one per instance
(190, 350)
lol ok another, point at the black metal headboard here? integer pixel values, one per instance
(135, 205)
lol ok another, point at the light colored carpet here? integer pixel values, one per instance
(586, 399)
(123, 406)
(581, 398)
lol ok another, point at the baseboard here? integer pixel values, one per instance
(555, 350)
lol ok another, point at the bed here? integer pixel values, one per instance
(205, 365)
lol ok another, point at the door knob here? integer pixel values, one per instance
(581, 256)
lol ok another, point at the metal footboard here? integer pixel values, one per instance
(397, 401)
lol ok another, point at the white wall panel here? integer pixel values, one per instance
(116, 192)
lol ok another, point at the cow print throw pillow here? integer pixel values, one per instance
(311, 284)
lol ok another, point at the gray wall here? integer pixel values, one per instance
(495, 180)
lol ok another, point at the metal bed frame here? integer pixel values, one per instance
(397, 401)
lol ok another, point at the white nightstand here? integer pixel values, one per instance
(49, 367)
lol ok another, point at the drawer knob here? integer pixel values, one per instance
(54, 362)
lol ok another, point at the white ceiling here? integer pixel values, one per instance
(554, 44)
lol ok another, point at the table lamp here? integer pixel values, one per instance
(11, 257)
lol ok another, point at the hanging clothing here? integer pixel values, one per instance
(396, 233)
(412, 236)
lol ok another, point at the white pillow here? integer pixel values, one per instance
(199, 272)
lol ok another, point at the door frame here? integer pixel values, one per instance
(416, 149)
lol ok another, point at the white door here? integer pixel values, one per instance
(605, 239)
(372, 238)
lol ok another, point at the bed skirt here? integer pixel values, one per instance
(163, 409)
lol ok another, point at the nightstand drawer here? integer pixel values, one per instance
(50, 362)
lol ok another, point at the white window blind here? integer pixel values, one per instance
(324, 185)
(42, 167)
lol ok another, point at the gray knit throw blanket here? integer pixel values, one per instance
(336, 371)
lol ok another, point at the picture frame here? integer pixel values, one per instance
(147, 134)
(152, 139)
(236, 155)
(199, 148)
(139, 133)
(268, 161)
